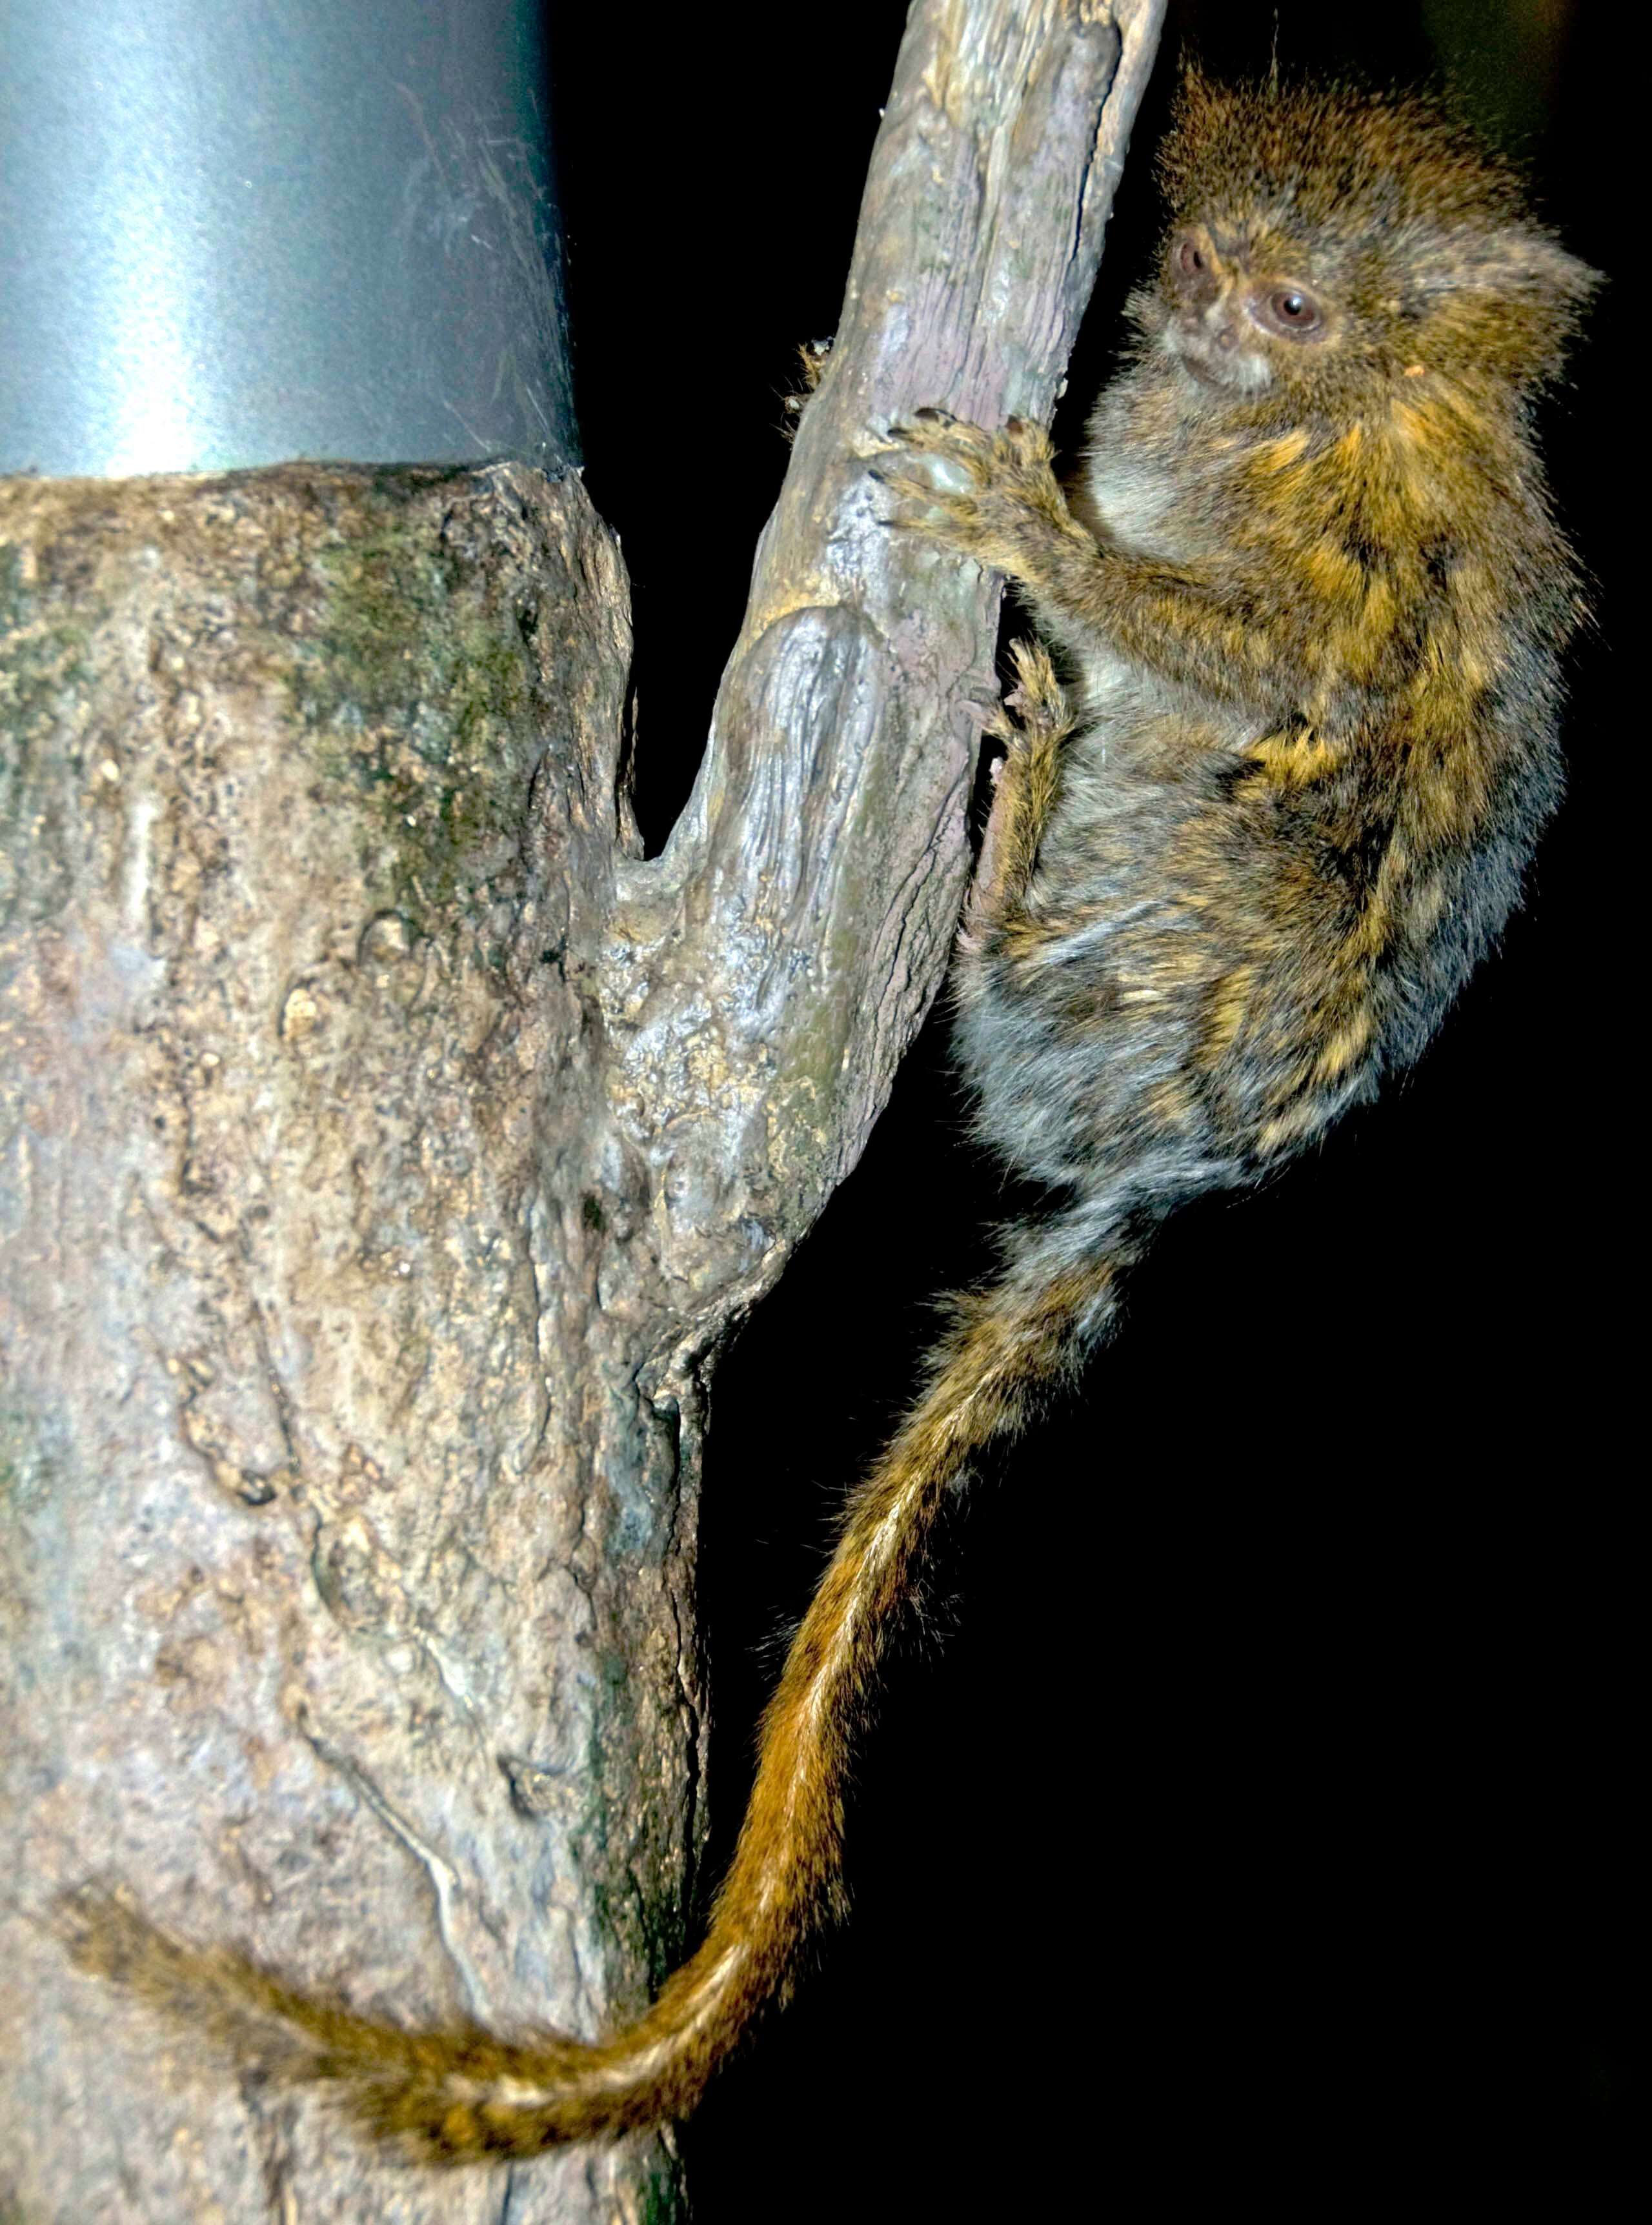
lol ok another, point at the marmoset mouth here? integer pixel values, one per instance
(1240, 372)
(1204, 372)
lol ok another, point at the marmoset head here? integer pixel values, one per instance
(1327, 242)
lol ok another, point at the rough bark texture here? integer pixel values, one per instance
(385, 1148)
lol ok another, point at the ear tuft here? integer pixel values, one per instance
(1509, 298)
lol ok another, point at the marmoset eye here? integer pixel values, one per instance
(1289, 309)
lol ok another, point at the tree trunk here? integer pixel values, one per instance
(388, 1149)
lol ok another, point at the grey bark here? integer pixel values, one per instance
(386, 1148)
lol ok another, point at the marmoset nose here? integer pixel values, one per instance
(1227, 340)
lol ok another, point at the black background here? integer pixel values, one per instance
(1267, 1822)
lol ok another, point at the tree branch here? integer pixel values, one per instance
(763, 977)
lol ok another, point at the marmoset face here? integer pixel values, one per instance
(1236, 316)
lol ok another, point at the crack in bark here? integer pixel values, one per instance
(445, 1886)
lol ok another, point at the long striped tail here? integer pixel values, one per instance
(464, 2096)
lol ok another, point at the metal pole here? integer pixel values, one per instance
(239, 232)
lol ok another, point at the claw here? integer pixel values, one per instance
(985, 717)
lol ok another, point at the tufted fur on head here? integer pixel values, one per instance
(1390, 203)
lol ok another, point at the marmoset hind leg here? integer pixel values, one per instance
(1032, 722)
